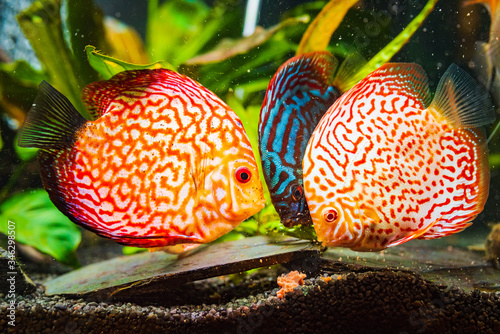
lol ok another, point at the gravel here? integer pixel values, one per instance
(373, 301)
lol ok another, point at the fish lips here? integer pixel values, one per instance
(303, 218)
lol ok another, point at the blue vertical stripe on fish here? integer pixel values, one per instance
(297, 97)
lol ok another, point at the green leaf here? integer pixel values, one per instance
(178, 29)
(24, 153)
(42, 25)
(230, 236)
(22, 72)
(85, 23)
(108, 66)
(393, 47)
(300, 232)
(229, 48)
(40, 224)
(18, 87)
(129, 250)
(250, 119)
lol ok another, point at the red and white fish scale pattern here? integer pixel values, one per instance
(142, 169)
(376, 155)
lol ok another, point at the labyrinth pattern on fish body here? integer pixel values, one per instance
(392, 170)
(141, 169)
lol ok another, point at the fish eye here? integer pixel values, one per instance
(243, 174)
(330, 215)
(297, 192)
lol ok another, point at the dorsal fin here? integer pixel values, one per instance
(313, 67)
(52, 121)
(98, 95)
(346, 75)
(409, 78)
(461, 100)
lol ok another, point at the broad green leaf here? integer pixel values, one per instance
(129, 250)
(18, 87)
(318, 34)
(230, 236)
(41, 24)
(393, 47)
(24, 153)
(124, 42)
(85, 23)
(108, 66)
(175, 25)
(40, 224)
(22, 72)
(229, 48)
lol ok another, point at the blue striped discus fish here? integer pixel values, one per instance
(299, 94)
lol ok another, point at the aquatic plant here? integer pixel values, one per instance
(79, 45)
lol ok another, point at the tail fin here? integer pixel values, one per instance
(52, 121)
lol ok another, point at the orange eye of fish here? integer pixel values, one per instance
(243, 175)
(297, 192)
(330, 215)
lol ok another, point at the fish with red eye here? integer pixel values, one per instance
(135, 173)
(243, 175)
(386, 164)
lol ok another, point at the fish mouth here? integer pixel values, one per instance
(297, 219)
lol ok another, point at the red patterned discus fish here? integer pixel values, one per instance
(165, 161)
(384, 166)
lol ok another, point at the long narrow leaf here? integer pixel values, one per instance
(393, 47)
(318, 34)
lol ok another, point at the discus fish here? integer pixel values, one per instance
(164, 162)
(384, 166)
(297, 97)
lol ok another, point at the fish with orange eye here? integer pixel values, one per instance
(386, 165)
(163, 163)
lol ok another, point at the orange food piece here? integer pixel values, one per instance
(289, 281)
(326, 279)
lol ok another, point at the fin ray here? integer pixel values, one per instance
(52, 121)
(461, 100)
(346, 75)
(98, 95)
(409, 79)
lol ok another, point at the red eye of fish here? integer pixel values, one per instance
(243, 175)
(330, 215)
(297, 192)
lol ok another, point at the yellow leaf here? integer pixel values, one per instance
(125, 42)
(319, 32)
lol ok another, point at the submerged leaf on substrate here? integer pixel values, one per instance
(40, 224)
